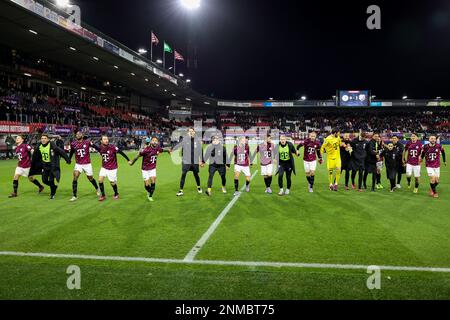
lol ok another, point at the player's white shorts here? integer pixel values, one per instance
(379, 165)
(310, 165)
(244, 170)
(22, 172)
(434, 172)
(86, 168)
(412, 170)
(147, 174)
(267, 170)
(110, 174)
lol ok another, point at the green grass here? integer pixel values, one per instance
(400, 229)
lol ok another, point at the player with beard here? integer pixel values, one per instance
(23, 152)
(357, 160)
(432, 153)
(310, 155)
(216, 155)
(399, 148)
(346, 153)
(81, 148)
(411, 157)
(109, 152)
(192, 153)
(286, 164)
(149, 159)
(241, 154)
(266, 150)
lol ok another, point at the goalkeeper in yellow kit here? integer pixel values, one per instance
(331, 146)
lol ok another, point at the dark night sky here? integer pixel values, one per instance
(255, 49)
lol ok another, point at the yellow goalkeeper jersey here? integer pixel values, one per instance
(332, 146)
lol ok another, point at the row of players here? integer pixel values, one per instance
(357, 156)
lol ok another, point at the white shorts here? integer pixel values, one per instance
(310, 166)
(410, 170)
(434, 172)
(147, 174)
(110, 174)
(244, 170)
(86, 168)
(267, 170)
(379, 165)
(22, 172)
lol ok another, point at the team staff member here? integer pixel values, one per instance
(192, 153)
(358, 158)
(331, 146)
(390, 155)
(373, 149)
(45, 162)
(216, 155)
(346, 153)
(399, 149)
(286, 164)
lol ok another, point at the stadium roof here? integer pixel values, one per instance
(51, 41)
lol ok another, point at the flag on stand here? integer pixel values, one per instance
(178, 56)
(155, 39)
(167, 48)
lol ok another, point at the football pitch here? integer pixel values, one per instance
(256, 246)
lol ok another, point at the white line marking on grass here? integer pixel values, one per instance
(222, 263)
(200, 243)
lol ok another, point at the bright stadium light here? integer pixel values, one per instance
(191, 4)
(181, 75)
(303, 98)
(159, 61)
(142, 51)
(188, 80)
(62, 3)
(405, 97)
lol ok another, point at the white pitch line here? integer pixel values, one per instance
(225, 263)
(200, 243)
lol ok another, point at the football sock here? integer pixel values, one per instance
(94, 183)
(309, 179)
(417, 184)
(102, 189)
(147, 188)
(116, 193)
(270, 181)
(330, 177)
(312, 178)
(152, 189)
(74, 188)
(409, 180)
(338, 176)
(236, 184)
(37, 183)
(433, 187)
(15, 185)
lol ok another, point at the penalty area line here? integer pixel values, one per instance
(225, 263)
(200, 243)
